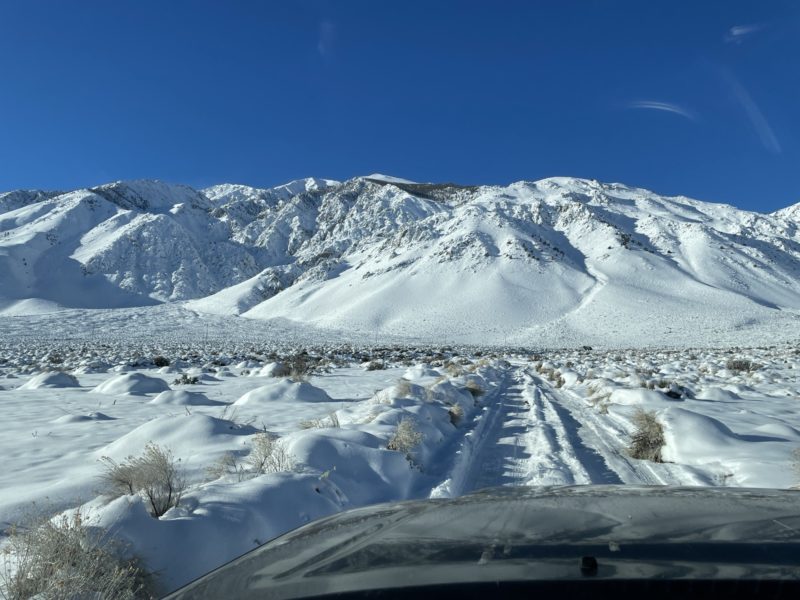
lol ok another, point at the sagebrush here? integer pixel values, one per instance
(269, 455)
(405, 438)
(227, 464)
(741, 365)
(185, 379)
(63, 558)
(300, 367)
(456, 414)
(403, 388)
(474, 388)
(648, 437)
(156, 475)
(331, 421)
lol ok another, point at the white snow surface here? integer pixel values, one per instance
(729, 418)
(692, 309)
(557, 262)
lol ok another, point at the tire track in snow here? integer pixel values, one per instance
(533, 440)
(606, 438)
(555, 461)
(500, 458)
(596, 432)
(535, 434)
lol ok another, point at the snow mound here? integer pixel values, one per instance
(200, 375)
(781, 430)
(29, 306)
(636, 397)
(93, 366)
(217, 523)
(273, 369)
(717, 394)
(51, 379)
(93, 416)
(184, 398)
(284, 390)
(758, 460)
(421, 374)
(186, 436)
(134, 384)
(356, 461)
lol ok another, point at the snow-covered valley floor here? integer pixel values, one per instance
(473, 419)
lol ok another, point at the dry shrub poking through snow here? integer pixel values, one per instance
(403, 388)
(185, 379)
(741, 365)
(454, 369)
(155, 475)
(227, 464)
(61, 558)
(648, 439)
(474, 388)
(299, 369)
(332, 421)
(269, 455)
(405, 438)
(456, 414)
(432, 394)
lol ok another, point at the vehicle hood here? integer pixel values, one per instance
(521, 533)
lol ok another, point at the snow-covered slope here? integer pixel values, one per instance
(559, 258)
(19, 198)
(564, 258)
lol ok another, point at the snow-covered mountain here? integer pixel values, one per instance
(565, 256)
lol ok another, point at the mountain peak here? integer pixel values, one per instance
(150, 195)
(386, 178)
(232, 191)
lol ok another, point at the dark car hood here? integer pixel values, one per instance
(519, 533)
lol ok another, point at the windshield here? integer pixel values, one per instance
(263, 263)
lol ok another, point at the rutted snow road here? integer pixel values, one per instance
(538, 435)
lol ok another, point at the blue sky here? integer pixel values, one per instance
(683, 97)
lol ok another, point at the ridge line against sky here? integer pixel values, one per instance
(699, 101)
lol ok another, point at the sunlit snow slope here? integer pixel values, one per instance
(558, 259)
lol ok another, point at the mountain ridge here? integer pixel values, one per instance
(378, 253)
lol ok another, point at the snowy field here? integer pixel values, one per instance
(365, 425)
